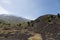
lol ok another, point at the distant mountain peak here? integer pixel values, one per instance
(12, 18)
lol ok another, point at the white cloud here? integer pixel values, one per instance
(6, 1)
(3, 11)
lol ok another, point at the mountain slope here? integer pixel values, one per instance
(12, 19)
(47, 20)
(48, 26)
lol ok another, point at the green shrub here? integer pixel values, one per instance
(58, 15)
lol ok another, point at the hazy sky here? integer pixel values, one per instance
(30, 9)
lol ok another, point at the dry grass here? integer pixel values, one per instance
(8, 31)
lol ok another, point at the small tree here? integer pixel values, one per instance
(58, 15)
(19, 24)
(49, 18)
(0, 22)
(28, 23)
(32, 25)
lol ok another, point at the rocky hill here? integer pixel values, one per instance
(46, 27)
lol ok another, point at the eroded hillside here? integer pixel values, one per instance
(46, 27)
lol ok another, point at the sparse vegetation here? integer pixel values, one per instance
(58, 15)
(26, 30)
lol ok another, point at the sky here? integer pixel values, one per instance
(30, 9)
